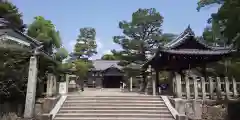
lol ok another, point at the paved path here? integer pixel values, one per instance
(105, 92)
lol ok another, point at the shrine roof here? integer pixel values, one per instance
(189, 36)
(197, 51)
(105, 64)
(187, 44)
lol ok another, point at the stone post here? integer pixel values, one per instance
(154, 83)
(179, 105)
(50, 85)
(67, 82)
(63, 85)
(178, 83)
(31, 88)
(130, 82)
(54, 85)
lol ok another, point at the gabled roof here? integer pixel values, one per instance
(186, 36)
(187, 44)
(105, 64)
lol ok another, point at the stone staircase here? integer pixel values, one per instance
(139, 107)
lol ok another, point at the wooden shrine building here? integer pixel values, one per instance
(184, 53)
(105, 74)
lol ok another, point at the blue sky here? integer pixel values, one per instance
(104, 16)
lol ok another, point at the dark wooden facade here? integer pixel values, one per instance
(105, 74)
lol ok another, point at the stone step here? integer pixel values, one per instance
(113, 98)
(110, 118)
(115, 105)
(141, 107)
(111, 108)
(111, 101)
(163, 111)
(140, 115)
(116, 96)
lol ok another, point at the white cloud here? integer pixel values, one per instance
(72, 43)
(107, 52)
(99, 44)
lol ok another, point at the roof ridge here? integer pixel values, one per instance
(187, 32)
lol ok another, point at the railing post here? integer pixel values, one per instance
(227, 88)
(203, 88)
(211, 88)
(219, 90)
(235, 93)
(188, 94)
(195, 86)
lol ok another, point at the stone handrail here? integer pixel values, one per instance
(207, 89)
(176, 115)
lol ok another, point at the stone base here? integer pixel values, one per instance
(63, 89)
(49, 104)
(45, 117)
(191, 108)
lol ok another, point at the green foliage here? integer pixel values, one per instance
(224, 25)
(62, 68)
(226, 19)
(86, 43)
(212, 37)
(44, 31)
(61, 54)
(109, 57)
(13, 75)
(82, 68)
(10, 13)
(204, 3)
(141, 35)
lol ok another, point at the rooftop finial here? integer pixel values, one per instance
(189, 30)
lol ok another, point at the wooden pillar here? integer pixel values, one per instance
(31, 88)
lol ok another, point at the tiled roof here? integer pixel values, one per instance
(104, 64)
(197, 52)
(6, 28)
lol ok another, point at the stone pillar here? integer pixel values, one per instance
(130, 86)
(154, 83)
(157, 82)
(197, 109)
(63, 85)
(31, 88)
(54, 85)
(67, 82)
(50, 85)
(179, 105)
(178, 85)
